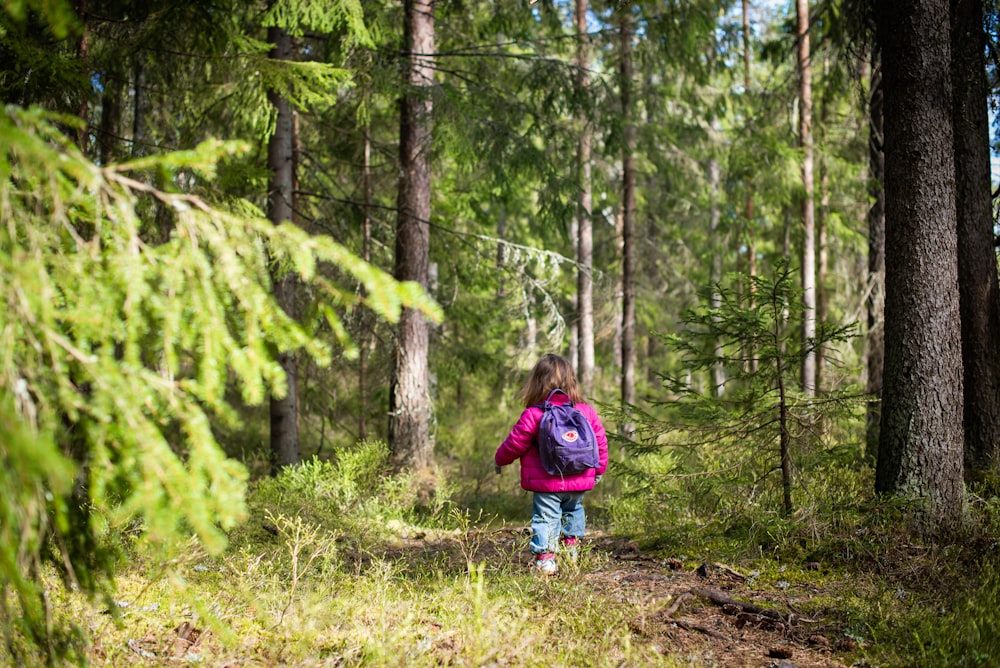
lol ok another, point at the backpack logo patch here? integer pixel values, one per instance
(566, 440)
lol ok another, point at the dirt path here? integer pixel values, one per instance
(711, 614)
(715, 612)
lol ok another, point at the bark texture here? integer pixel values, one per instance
(410, 401)
(749, 230)
(808, 187)
(141, 110)
(628, 219)
(977, 264)
(585, 242)
(718, 372)
(366, 335)
(875, 342)
(920, 450)
(284, 410)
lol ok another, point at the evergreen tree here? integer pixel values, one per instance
(875, 283)
(920, 445)
(763, 425)
(122, 342)
(977, 261)
(804, 65)
(410, 408)
(628, 353)
(584, 224)
(281, 208)
(119, 352)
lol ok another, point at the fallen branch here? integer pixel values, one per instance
(705, 570)
(727, 603)
(731, 572)
(691, 626)
(721, 600)
(677, 603)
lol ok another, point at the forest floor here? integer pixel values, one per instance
(701, 614)
(715, 612)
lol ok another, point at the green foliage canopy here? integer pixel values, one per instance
(760, 422)
(120, 352)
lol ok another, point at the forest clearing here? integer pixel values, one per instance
(523, 333)
(321, 577)
(629, 596)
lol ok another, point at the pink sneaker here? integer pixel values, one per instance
(569, 545)
(545, 563)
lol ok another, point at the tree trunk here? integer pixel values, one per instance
(718, 370)
(410, 402)
(284, 410)
(628, 219)
(750, 356)
(109, 138)
(784, 433)
(619, 300)
(822, 235)
(585, 248)
(83, 58)
(875, 341)
(920, 449)
(366, 255)
(748, 198)
(977, 266)
(141, 107)
(143, 142)
(808, 208)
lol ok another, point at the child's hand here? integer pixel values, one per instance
(496, 467)
(597, 478)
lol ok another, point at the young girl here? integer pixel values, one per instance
(557, 514)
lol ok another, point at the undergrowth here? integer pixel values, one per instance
(339, 564)
(897, 600)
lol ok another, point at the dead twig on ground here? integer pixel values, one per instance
(742, 610)
(700, 628)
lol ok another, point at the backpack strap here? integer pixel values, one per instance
(558, 391)
(548, 400)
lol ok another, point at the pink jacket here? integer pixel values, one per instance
(520, 444)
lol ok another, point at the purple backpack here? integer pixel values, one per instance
(566, 441)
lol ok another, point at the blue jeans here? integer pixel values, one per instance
(554, 514)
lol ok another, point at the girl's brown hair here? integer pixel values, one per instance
(551, 371)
